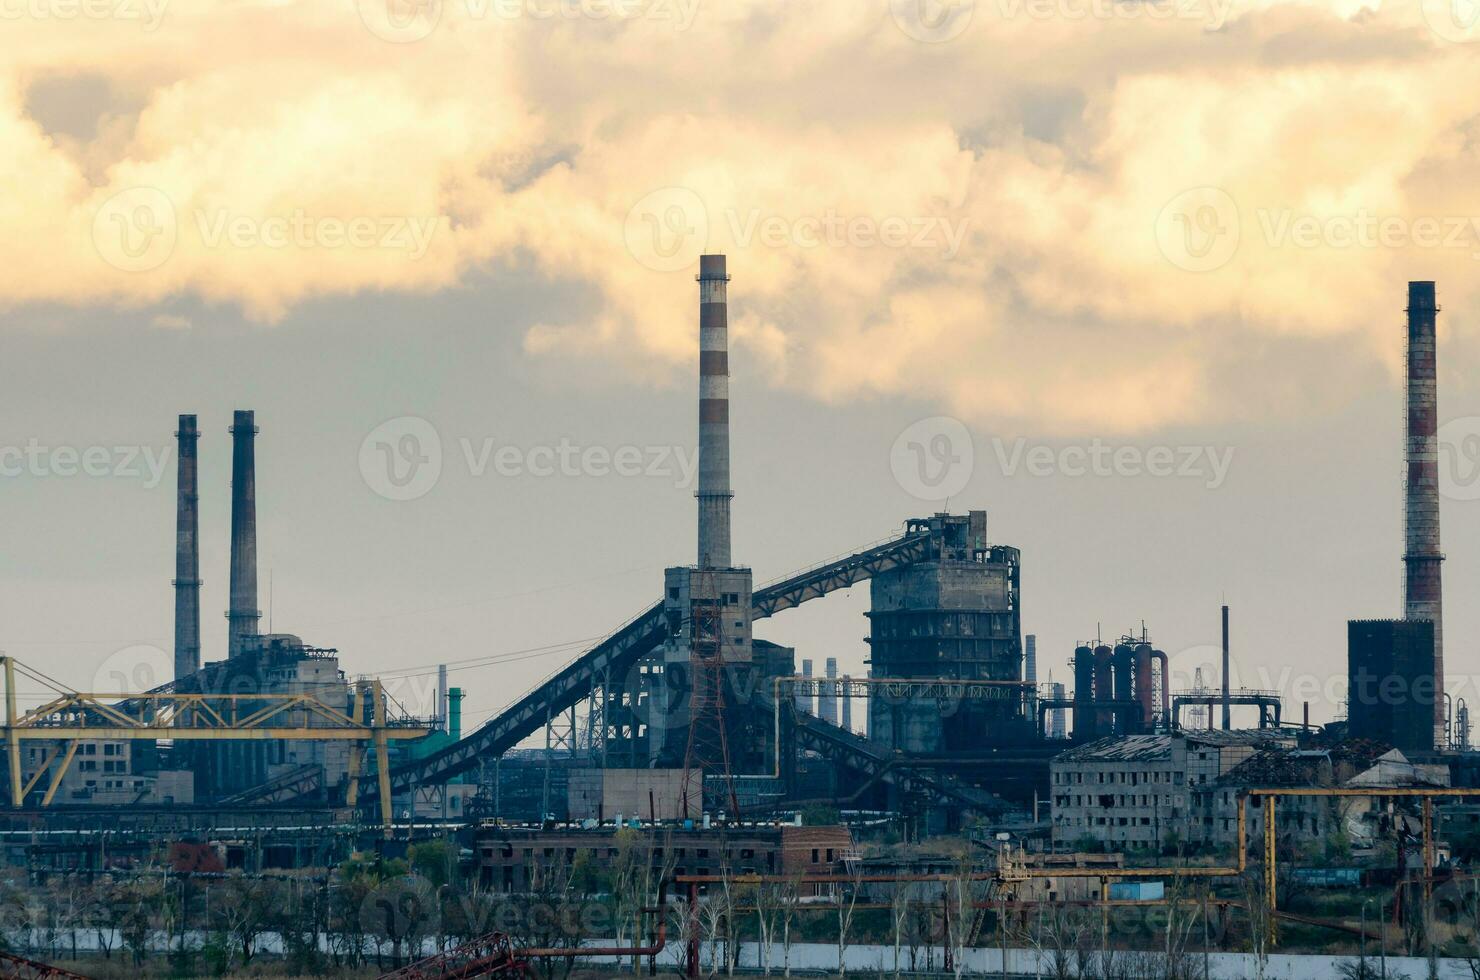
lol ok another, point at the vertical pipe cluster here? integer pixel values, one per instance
(187, 553)
(714, 414)
(243, 614)
(1227, 712)
(1422, 591)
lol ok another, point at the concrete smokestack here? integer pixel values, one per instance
(187, 553)
(1227, 711)
(714, 414)
(243, 614)
(1422, 591)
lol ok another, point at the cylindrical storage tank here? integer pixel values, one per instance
(1104, 690)
(1084, 692)
(1145, 686)
(1125, 687)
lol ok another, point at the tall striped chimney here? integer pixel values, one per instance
(187, 553)
(243, 615)
(1422, 591)
(714, 414)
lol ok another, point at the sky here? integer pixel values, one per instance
(1129, 276)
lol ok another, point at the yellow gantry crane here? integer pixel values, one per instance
(71, 717)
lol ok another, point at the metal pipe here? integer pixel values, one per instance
(187, 552)
(1227, 660)
(714, 414)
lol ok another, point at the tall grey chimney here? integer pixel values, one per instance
(243, 614)
(187, 553)
(714, 414)
(1422, 591)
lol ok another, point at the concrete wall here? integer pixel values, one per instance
(597, 794)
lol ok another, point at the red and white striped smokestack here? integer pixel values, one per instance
(243, 613)
(714, 414)
(1422, 591)
(187, 553)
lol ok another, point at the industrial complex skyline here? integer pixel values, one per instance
(1209, 410)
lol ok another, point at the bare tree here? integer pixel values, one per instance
(846, 896)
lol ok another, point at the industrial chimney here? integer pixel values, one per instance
(714, 414)
(1422, 591)
(243, 614)
(187, 554)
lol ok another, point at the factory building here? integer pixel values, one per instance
(1393, 682)
(1136, 792)
(509, 858)
(957, 616)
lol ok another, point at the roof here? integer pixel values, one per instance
(1130, 748)
(1393, 770)
(1145, 748)
(1279, 767)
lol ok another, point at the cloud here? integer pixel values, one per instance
(1062, 216)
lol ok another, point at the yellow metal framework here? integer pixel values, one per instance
(1426, 794)
(73, 716)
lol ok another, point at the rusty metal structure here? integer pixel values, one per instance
(13, 967)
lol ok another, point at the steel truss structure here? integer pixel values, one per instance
(72, 717)
(621, 651)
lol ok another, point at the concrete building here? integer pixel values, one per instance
(1136, 792)
(510, 857)
(649, 794)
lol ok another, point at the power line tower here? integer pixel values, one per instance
(1197, 715)
(708, 749)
